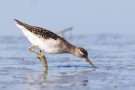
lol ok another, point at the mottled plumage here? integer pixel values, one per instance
(45, 39)
(39, 31)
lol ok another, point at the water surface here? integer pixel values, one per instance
(113, 54)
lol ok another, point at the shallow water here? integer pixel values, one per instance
(113, 54)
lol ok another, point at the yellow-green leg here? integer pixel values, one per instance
(45, 66)
(39, 54)
(42, 59)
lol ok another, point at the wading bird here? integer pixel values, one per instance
(49, 42)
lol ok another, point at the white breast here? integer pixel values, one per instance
(47, 45)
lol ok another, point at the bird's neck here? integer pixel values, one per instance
(72, 49)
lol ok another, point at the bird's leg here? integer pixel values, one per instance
(45, 65)
(38, 53)
(42, 59)
(38, 56)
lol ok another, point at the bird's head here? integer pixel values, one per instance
(82, 53)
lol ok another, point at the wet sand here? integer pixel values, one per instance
(113, 54)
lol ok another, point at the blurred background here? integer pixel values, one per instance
(105, 28)
(86, 16)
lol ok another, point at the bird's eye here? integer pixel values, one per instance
(83, 55)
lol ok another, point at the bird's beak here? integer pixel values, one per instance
(90, 62)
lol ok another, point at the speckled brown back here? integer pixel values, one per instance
(39, 31)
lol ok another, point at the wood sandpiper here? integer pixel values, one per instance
(49, 42)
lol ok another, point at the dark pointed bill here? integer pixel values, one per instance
(90, 62)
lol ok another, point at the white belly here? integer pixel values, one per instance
(47, 45)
